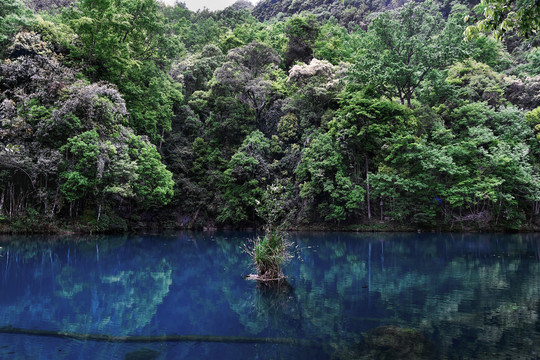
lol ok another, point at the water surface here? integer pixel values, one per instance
(468, 295)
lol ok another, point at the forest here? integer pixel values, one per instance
(121, 115)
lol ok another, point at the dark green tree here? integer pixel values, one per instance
(248, 74)
(302, 33)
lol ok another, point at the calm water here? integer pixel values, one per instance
(470, 296)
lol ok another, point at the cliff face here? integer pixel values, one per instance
(242, 5)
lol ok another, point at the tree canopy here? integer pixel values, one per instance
(502, 16)
(122, 114)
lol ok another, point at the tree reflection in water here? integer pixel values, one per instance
(468, 294)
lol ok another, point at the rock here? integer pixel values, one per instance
(142, 354)
(393, 342)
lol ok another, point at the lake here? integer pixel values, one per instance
(449, 296)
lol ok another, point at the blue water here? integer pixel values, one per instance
(469, 295)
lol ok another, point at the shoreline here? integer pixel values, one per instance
(77, 228)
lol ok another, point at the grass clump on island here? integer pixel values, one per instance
(269, 254)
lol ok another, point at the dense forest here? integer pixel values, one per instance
(358, 114)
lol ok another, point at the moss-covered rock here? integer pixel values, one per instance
(393, 342)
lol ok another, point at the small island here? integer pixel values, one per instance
(269, 254)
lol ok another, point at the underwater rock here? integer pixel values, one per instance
(386, 343)
(393, 342)
(142, 354)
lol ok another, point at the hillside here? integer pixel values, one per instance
(117, 115)
(348, 13)
(353, 11)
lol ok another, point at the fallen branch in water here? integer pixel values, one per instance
(158, 338)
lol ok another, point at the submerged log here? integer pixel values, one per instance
(157, 338)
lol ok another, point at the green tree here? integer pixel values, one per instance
(196, 70)
(333, 44)
(245, 178)
(82, 177)
(152, 99)
(401, 49)
(324, 181)
(153, 185)
(533, 65)
(411, 178)
(313, 92)
(363, 127)
(123, 166)
(129, 43)
(66, 140)
(114, 35)
(477, 175)
(533, 119)
(13, 15)
(476, 82)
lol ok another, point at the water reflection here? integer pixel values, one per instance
(473, 295)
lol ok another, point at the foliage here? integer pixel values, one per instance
(247, 73)
(354, 114)
(472, 177)
(502, 16)
(247, 172)
(324, 180)
(302, 33)
(524, 93)
(315, 88)
(533, 118)
(401, 49)
(335, 44)
(13, 15)
(350, 14)
(66, 140)
(269, 254)
(128, 43)
(477, 82)
(194, 71)
(154, 185)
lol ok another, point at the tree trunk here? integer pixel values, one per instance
(99, 212)
(381, 204)
(56, 200)
(100, 206)
(367, 190)
(2, 201)
(194, 218)
(498, 212)
(11, 199)
(161, 140)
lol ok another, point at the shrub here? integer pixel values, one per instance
(269, 254)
